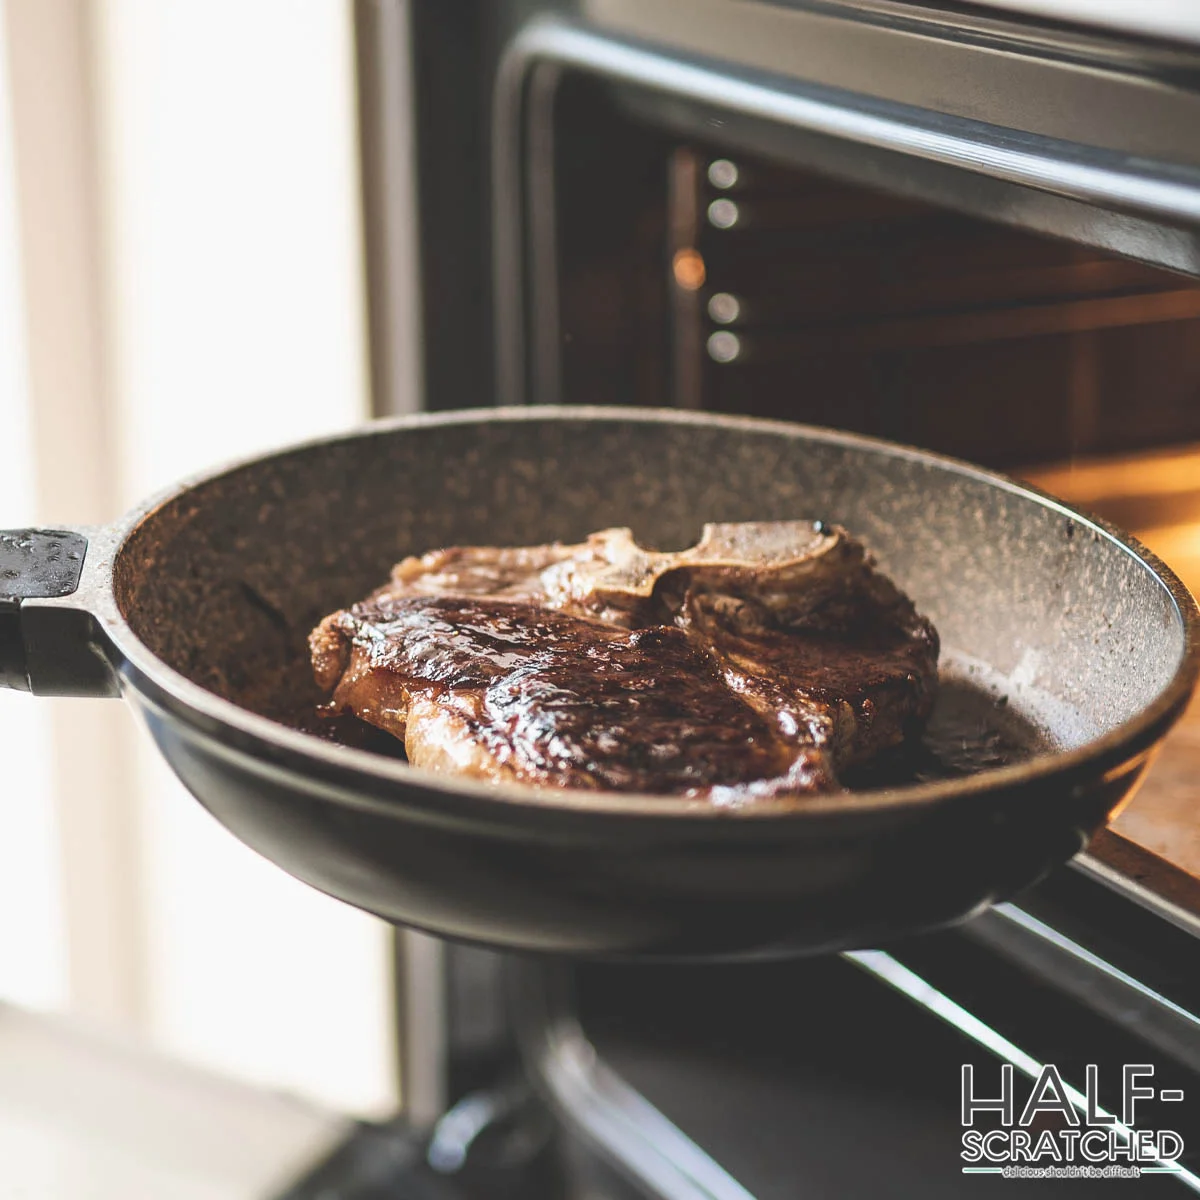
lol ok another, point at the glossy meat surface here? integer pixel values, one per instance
(760, 662)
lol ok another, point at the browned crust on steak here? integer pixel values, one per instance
(764, 660)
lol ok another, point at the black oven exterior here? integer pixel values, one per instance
(1082, 134)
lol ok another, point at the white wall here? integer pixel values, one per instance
(219, 188)
(234, 263)
(33, 967)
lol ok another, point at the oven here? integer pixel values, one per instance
(973, 228)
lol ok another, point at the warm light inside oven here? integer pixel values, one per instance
(688, 266)
(1155, 496)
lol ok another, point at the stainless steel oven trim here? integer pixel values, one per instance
(1079, 87)
(1153, 19)
(389, 204)
(1120, 185)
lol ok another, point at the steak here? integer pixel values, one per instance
(762, 662)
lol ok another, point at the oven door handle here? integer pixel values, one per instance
(50, 640)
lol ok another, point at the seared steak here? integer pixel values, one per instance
(761, 662)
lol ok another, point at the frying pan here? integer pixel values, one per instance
(195, 607)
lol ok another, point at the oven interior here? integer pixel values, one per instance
(666, 268)
(691, 274)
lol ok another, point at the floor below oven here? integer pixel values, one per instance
(84, 1115)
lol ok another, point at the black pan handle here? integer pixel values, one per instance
(48, 648)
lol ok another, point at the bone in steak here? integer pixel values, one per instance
(762, 662)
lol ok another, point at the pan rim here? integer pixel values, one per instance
(187, 700)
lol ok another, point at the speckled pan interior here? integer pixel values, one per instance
(225, 581)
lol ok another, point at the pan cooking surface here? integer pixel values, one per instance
(225, 583)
